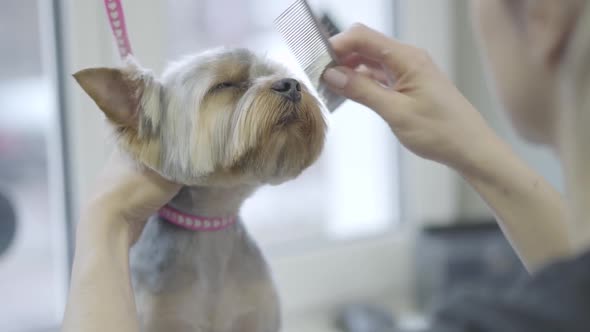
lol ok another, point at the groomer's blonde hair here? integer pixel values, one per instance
(575, 126)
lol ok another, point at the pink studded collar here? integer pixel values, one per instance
(195, 223)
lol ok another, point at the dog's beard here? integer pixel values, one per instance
(273, 139)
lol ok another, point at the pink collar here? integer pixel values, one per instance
(195, 223)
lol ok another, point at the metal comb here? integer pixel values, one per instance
(306, 38)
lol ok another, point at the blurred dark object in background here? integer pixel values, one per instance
(7, 223)
(465, 257)
(329, 25)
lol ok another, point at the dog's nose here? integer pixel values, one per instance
(288, 88)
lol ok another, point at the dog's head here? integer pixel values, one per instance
(221, 117)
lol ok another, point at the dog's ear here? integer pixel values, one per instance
(117, 91)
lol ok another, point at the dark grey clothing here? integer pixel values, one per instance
(555, 299)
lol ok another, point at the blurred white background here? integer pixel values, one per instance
(342, 232)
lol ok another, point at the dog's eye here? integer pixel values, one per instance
(225, 85)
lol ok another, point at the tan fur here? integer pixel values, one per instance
(148, 150)
(121, 108)
(119, 93)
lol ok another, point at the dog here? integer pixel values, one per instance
(222, 123)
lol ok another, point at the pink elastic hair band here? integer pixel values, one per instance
(116, 17)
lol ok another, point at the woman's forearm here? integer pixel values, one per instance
(529, 210)
(101, 297)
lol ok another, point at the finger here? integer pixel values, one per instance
(374, 74)
(369, 68)
(354, 60)
(360, 88)
(396, 56)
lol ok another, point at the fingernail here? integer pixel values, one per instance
(336, 78)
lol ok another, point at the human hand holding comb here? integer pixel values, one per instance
(434, 120)
(406, 88)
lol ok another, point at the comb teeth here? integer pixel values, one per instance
(296, 22)
(308, 43)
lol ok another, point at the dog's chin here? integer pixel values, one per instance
(288, 117)
(292, 155)
(296, 143)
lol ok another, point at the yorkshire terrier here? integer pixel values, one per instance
(222, 123)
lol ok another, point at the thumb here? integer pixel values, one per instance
(360, 88)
